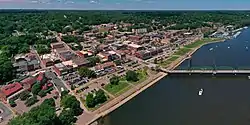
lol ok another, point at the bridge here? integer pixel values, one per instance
(211, 69)
(208, 71)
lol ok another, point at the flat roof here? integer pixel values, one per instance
(134, 45)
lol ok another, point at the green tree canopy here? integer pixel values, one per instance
(67, 117)
(131, 76)
(114, 80)
(90, 100)
(40, 115)
(36, 88)
(98, 97)
(85, 72)
(93, 60)
(72, 103)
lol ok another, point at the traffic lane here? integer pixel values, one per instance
(57, 82)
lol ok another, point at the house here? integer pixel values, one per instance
(107, 56)
(80, 61)
(143, 54)
(86, 53)
(41, 78)
(10, 89)
(60, 69)
(50, 59)
(66, 55)
(48, 62)
(28, 62)
(134, 38)
(121, 54)
(104, 66)
(28, 82)
(57, 45)
(139, 31)
(118, 46)
(134, 48)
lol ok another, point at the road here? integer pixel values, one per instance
(56, 81)
(38, 57)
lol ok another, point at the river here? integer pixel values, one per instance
(174, 100)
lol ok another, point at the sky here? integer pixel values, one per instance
(127, 4)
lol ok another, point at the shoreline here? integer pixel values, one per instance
(128, 95)
(188, 55)
(131, 94)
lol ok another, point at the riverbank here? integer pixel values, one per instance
(176, 59)
(185, 52)
(125, 97)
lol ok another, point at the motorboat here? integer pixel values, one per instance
(228, 47)
(211, 49)
(246, 47)
(200, 92)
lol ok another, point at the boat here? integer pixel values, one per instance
(245, 27)
(200, 92)
(248, 77)
(246, 47)
(228, 47)
(235, 35)
(211, 49)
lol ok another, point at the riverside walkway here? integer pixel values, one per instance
(207, 71)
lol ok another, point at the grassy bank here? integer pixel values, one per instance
(187, 48)
(125, 85)
(114, 89)
(201, 42)
(169, 60)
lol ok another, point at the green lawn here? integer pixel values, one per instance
(123, 90)
(182, 51)
(142, 75)
(169, 60)
(200, 42)
(114, 89)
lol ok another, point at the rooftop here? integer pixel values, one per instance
(134, 45)
(10, 89)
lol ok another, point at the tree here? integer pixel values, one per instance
(6, 68)
(131, 76)
(42, 93)
(12, 103)
(40, 115)
(100, 97)
(93, 60)
(71, 102)
(36, 88)
(42, 49)
(118, 62)
(72, 87)
(155, 61)
(31, 101)
(67, 117)
(64, 93)
(50, 102)
(24, 95)
(85, 72)
(114, 80)
(90, 102)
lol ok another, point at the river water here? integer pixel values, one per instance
(174, 100)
